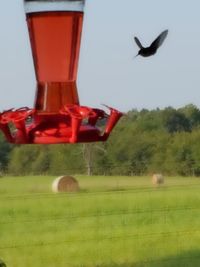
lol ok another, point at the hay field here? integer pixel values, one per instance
(111, 222)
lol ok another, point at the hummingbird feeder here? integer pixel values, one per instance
(55, 28)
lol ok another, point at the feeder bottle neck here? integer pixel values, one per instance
(53, 5)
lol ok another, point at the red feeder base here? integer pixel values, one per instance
(72, 124)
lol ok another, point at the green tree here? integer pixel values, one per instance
(192, 113)
(175, 121)
(5, 149)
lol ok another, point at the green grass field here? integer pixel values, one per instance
(111, 222)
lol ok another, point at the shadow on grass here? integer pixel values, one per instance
(2, 264)
(186, 259)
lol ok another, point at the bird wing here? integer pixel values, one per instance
(138, 42)
(159, 40)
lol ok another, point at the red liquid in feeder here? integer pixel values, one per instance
(55, 40)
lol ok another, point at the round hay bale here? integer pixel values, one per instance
(65, 184)
(157, 179)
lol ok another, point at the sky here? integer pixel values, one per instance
(107, 73)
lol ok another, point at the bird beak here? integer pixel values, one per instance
(135, 56)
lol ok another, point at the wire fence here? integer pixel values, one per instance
(117, 235)
(101, 239)
(123, 213)
(116, 189)
(129, 167)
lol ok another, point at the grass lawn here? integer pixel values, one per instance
(112, 221)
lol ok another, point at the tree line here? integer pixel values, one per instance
(144, 142)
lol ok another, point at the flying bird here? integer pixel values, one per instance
(151, 50)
